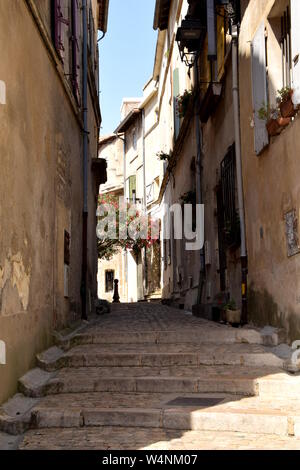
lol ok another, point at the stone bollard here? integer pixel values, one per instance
(116, 297)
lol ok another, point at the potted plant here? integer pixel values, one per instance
(233, 314)
(163, 156)
(183, 102)
(285, 102)
(189, 197)
(275, 123)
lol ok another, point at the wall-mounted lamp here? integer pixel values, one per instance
(189, 37)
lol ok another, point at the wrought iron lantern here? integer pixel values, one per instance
(190, 36)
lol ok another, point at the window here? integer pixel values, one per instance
(275, 62)
(286, 51)
(57, 23)
(132, 187)
(75, 50)
(228, 185)
(109, 280)
(279, 49)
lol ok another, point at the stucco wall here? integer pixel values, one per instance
(41, 194)
(272, 189)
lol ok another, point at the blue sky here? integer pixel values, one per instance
(126, 56)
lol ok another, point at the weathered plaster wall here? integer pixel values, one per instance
(40, 194)
(218, 136)
(272, 189)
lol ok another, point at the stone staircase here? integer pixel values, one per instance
(151, 368)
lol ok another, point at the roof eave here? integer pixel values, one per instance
(161, 14)
(127, 122)
(103, 15)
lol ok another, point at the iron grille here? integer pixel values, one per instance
(228, 184)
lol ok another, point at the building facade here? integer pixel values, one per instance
(48, 103)
(197, 134)
(111, 149)
(269, 50)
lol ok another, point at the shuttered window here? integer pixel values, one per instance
(132, 187)
(57, 22)
(295, 46)
(75, 49)
(92, 36)
(259, 87)
(175, 99)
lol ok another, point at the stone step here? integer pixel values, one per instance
(227, 413)
(151, 439)
(15, 415)
(280, 386)
(160, 355)
(9, 442)
(211, 333)
(201, 379)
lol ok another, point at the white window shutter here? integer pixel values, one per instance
(259, 87)
(295, 40)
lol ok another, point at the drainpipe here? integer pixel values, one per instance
(236, 108)
(85, 160)
(198, 181)
(144, 196)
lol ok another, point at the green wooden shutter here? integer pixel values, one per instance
(132, 186)
(175, 94)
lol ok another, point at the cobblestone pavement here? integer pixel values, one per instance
(111, 385)
(151, 439)
(149, 317)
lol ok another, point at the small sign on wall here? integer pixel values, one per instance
(2, 353)
(292, 235)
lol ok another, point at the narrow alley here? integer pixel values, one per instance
(149, 225)
(147, 376)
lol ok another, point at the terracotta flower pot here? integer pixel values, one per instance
(287, 108)
(275, 126)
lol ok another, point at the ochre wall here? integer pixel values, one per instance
(40, 194)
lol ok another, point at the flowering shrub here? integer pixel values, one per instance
(123, 225)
